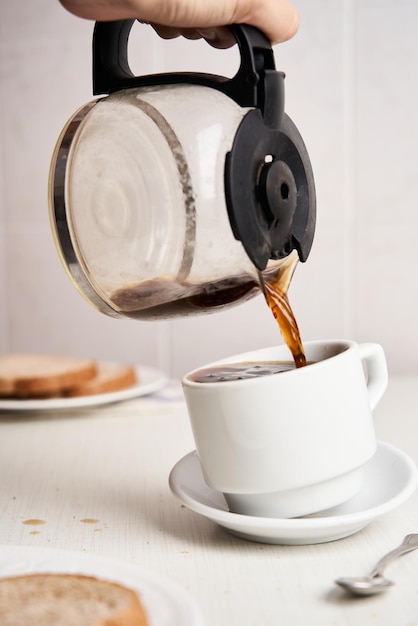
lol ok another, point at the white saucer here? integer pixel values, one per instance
(390, 478)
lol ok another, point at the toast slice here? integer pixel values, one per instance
(110, 377)
(68, 600)
(37, 375)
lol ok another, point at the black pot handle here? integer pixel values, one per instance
(256, 84)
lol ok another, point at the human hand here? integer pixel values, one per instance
(196, 19)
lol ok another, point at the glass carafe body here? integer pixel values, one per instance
(142, 224)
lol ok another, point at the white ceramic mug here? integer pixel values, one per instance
(293, 443)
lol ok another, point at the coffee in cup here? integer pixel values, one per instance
(240, 371)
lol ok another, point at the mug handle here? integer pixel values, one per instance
(373, 356)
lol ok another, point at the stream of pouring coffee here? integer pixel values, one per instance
(275, 292)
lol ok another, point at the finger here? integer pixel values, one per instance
(166, 32)
(169, 32)
(279, 20)
(218, 37)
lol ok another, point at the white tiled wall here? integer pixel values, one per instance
(352, 90)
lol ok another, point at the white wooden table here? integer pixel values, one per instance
(98, 479)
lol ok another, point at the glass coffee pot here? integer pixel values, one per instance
(173, 192)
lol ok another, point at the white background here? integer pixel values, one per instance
(351, 89)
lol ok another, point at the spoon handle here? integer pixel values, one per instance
(409, 543)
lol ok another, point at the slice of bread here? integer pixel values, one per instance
(37, 375)
(68, 600)
(110, 377)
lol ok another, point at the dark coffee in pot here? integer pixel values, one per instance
(169, 298)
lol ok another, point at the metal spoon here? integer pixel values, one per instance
(375, 582)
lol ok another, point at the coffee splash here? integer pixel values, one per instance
(275, 291)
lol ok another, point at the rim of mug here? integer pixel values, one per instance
(346, 345)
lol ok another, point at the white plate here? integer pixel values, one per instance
(166, 603)
(390, 478)
(150, 380)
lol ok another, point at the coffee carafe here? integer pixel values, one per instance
(171, 193)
